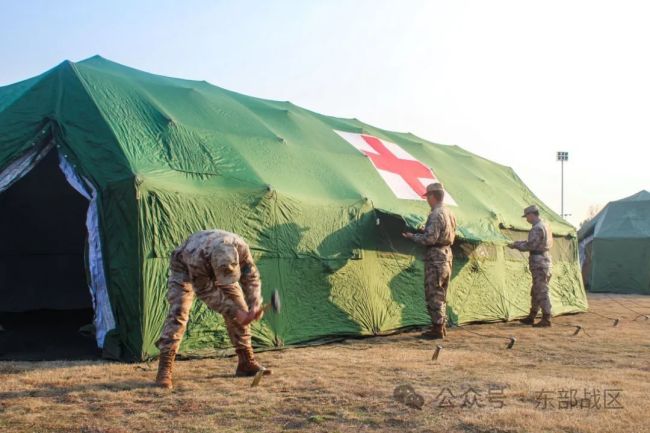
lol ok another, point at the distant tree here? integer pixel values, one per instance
(592, 211)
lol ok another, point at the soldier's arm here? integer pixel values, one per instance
(516, 245)
(431, 232)
(250, 281)
(249, 285)
(535, 241)
(224, 260)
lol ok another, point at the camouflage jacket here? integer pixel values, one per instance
(438, 235)
(217, 258)
(540, 241)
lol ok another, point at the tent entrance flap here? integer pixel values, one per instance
(43, 232)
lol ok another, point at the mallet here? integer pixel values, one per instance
(275, 303)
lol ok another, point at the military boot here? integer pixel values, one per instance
(165, 366)
(530, 319)
(544, 323)
(247, 365)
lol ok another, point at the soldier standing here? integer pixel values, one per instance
(217, 267)
(438, 235)
(540, 241)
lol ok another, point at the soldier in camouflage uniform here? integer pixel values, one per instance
(217, 267)
(538, 245)
(438, 235)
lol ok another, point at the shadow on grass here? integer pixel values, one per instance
(55, 392)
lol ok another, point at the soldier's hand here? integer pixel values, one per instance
(408, 235)
(246, 317)
(258, 313)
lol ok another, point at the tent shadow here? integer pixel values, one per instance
(18, 367)
(62, 392)
(302, 277)
(407, 287)
(283, 253)
(382, 233)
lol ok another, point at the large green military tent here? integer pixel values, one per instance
(321, 200)
(615, 247)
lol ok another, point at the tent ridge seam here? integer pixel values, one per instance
(90, 95)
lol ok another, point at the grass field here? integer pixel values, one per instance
(550, 381)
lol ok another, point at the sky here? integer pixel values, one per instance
(513, 81)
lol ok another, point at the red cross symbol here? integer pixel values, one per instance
(411, 170)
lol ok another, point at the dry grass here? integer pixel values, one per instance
(348, 387)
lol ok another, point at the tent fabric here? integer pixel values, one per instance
(21, 166)
(103, 317)
(616, 244)
(168, 157)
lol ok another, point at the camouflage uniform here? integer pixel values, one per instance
(540, 241)
(218, 268)
(439, 233)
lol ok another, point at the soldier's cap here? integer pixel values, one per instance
(437, 186)
(224, 256)
(530, 209)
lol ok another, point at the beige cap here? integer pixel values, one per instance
(225, 262)
(437, 186)
(530, 209)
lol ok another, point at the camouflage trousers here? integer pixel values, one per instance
(436, 281)
(181, 292)
(539, 293)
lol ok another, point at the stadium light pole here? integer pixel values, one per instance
(562, 156)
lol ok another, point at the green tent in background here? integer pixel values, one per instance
(615, 247)
(321, 200)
